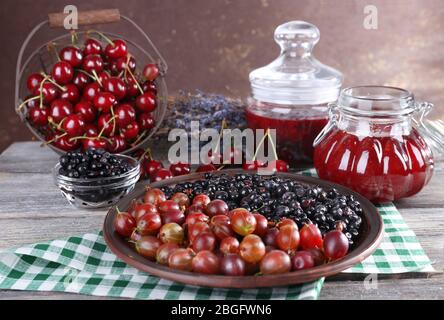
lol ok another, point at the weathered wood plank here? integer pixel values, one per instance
(30, 157)
(32, 210)
(432, 288)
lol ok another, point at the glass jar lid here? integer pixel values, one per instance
(296, 77)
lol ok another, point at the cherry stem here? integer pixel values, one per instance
(48, 78)
(222, 127)
(97, 77)
(87, 73)
(74, 38)
(220, 168)
(55, 138)
(103, 36)
(128, 56)
(114, 119)
(56, 125)
(89, 138)
(261, 142)
(148, 152)
(273, 146)
(41, 90)
(139, 138)
(134, 78)
(53, 49)
(106, 125)
(117, 209)
(20, 107)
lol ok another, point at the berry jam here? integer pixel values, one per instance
(382, 169)
(295, 131)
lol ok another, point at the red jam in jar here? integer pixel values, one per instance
(295, 132)
(291, 93)
(371, 146)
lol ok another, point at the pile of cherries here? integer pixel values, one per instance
(93, 97)
(195, 233)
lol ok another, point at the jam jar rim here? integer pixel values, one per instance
(406, 100)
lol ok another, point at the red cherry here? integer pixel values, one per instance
(206, 168)
(146, 102)
(161, 174)
(116, 49)
(130, 132)
(115, 86)
(73, 125)
(104, 101)
(149, 86)
(80, 80)
(117, 144)
(33, 81)
(104, 123)
(91, 130)
(151, 166)
(125, 114)
(71, 93)
(49, 92)
(99, 143)
(62, 72)
(90, 91)
(120, 64)
(60, 109)
(180, 168)
(253, 166)
(278, 165)
(65, 143)
(93, 62)
(216, 158)
(72, 55)
(92, 46)
(38, 116)
(32, 103)
(145, 121)
(151, 71)
(86, 110)
(132, 90)
(103, 76)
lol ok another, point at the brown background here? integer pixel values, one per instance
(213, 45)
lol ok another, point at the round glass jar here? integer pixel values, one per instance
(372, 143)
(291, 93)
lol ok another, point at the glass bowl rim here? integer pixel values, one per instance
(77, 181)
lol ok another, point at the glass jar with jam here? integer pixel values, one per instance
(291, 93)
(373, 145)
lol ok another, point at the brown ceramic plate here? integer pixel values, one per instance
(369, 239)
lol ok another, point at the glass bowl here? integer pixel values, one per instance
(98, 192)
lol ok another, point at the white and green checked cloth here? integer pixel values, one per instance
(83, 264)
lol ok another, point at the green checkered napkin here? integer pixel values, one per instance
(399, 251)
(85, 265)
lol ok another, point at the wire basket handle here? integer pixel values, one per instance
(86, 17)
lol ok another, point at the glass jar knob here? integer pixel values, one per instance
(297, 38)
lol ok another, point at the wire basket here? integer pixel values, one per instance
(34, 56)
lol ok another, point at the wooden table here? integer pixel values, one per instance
(32, 210)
